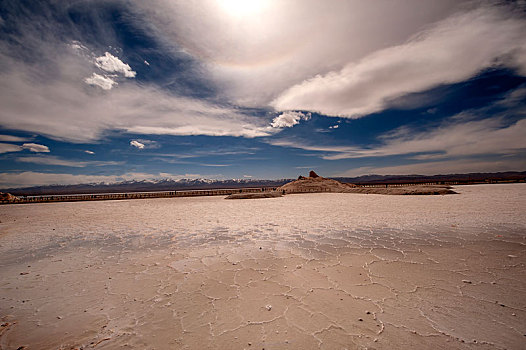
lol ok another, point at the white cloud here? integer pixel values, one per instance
(289, 119)
(51, 160)
(213, 165)
(334, 126)
(62, 108)
(7, 147)
(54, 103)
(89, 152)
(137, 144)
(49, 96)
(458, 166)
(251, 61)
(30, 178)
(101, 81)
(35, 147)
(450, 51)
(10, 138)
(110, 63)
(455, 137)
(253, 58)
(149, 144)
(310, 147)
(107, 63)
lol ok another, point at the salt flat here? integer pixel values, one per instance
(310, 271)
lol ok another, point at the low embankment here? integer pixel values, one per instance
(131, 195)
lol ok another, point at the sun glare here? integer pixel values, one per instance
(242, 8)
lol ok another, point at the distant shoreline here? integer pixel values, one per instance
(364, 189)
(204, 184)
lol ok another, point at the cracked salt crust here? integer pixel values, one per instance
(316, 271)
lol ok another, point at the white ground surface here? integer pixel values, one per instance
(311, 271)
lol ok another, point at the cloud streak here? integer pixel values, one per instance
(453, 138)
(7, 148)
(448, 52)
(10, 138)
(457, 166)
(35, 147)
(32, 147)
(52, 160)
(254, 58)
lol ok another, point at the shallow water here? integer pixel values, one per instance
(312, 271)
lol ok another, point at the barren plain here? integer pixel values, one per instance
(306, 271)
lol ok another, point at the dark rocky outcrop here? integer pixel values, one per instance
(7, 197)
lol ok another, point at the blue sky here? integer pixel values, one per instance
(95, 91)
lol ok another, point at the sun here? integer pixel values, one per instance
(242, 8)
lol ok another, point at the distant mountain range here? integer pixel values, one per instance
(462, 178)
(194, 184)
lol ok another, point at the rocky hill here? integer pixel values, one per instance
(7, 197)
(316, 184)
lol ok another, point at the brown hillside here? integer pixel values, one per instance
(315, 183)
(7, 197)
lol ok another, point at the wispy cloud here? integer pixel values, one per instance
(289, 42)
(202, 153)
(124, 109)
(112, 64)
(35, 147)
(446, 53)
(451, 139)
(7, 147)
(10, 138)
(189, 162)
(306, 167)
(215, 165)
(217, 74)
(457, 166)
(56, 83)
(51, 160)
(293, 143)
(105, 83)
